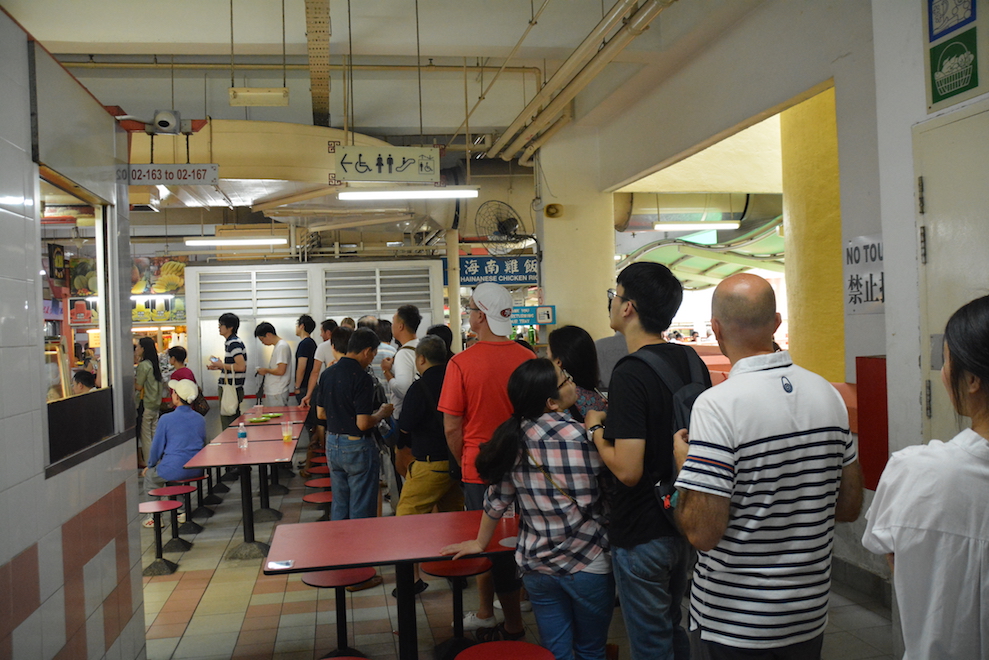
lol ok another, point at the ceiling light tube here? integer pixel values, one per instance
(695, 226)
(451, 192)
(222, 242)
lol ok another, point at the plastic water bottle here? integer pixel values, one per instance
(242, 436)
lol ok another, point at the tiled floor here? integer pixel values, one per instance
(218, 608)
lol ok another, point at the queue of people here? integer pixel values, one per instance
(734, 509)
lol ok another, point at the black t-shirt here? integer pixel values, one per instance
(421, 424)
(640, 406)
(305, 349)
(345, 391)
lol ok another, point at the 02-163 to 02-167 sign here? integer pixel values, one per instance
(190, 174)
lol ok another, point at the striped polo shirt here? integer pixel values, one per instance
(233, 347)
(773, 438)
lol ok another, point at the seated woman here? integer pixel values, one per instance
(929, 516)
(179, 436)
(541, 459)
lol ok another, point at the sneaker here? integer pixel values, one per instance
(524, 605)
(149, 522)
(474, 622)
(497, 634)
(420, 586)
(181, 518)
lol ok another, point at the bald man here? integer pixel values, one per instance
(770, 467)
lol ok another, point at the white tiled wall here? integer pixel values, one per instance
(33, 508)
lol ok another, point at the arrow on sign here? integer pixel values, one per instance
(344, 163)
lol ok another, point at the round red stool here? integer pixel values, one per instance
(201, 510)
(456, 571)
(323, 498)
(319, 470)
(321, 482)
(160, 566)
(188, 527)
(339, 580)
(320, 460)
(500, 650)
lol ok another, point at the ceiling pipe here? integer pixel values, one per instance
(525, 160)
(211, 66)
(633, 28)
(565, 72)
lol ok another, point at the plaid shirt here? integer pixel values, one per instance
(555, 537)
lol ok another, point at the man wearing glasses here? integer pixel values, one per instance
(474, 401)
(649, 556)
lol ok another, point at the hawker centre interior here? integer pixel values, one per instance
(806, 141)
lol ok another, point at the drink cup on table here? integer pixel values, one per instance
(287, 431)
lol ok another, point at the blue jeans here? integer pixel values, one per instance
(355, 468)
(652, 579)
(573, 612)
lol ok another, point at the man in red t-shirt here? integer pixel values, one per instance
(474, 402)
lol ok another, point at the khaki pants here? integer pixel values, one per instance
(428, 484)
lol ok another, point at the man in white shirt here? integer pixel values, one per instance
(771, 466)
(400, 370)
(277, 377)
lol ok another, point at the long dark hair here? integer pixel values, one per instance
(575, 350)
(151, 355)
(967, 339)
(529, 386)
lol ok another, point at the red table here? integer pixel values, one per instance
(399, 540)
(258, 432)
(289, 414)
(260, 453)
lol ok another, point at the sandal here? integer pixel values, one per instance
(497, 634)
(419, 587)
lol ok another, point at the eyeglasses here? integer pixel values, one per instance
(567, 378)
(474, 309)
(612, 294)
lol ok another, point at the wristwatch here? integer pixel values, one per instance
(595, 428)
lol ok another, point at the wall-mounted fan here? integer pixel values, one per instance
(501, 228)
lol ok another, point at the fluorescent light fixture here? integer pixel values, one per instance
(219, 242)
(92, 299)
(167, 327)
(449, 192)
(153, 296)
(695, 226)
(258, 96)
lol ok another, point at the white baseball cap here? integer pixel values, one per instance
(186, 389)
(496, 303)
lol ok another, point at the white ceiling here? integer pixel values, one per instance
(451, 32)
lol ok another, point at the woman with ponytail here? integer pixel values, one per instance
(147, 382)
(540, 459)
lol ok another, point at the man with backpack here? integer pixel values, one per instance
(649, 556)
(771, 466)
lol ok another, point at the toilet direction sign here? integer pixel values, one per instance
(387, 163)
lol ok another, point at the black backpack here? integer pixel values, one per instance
(684, 395)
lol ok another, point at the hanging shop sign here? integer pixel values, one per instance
(190, 174)
(387, 163)
(509, 271)
(865, 290)
(534, 315)
(957, 48)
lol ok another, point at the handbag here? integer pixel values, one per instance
(229, 405)
(201, 405)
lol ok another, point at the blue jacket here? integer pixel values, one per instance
(179, 436)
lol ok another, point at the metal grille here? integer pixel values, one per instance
(246, 294)
(377, 291)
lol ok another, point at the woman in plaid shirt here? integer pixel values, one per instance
(541, 460)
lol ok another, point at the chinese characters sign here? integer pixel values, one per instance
(500, 270)
(864, 279)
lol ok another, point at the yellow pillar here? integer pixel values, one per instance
(579, 246)
(812, 227)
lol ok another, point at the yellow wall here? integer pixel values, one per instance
(578, 248)
(812, 226)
